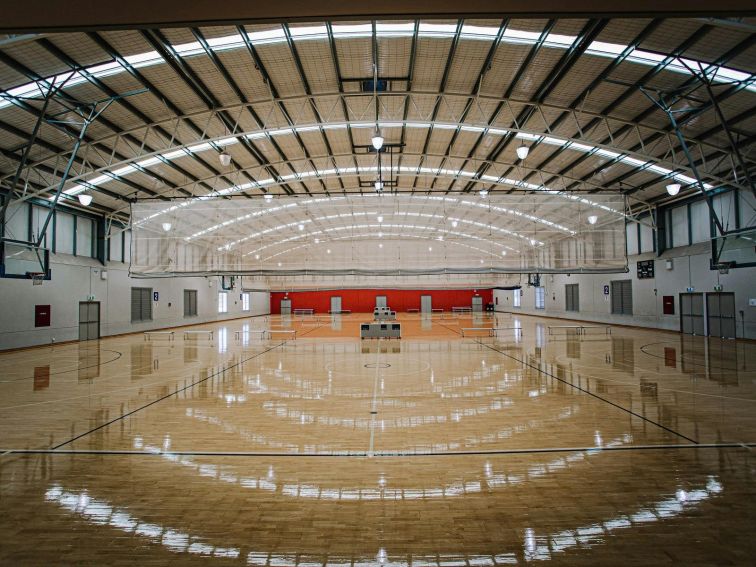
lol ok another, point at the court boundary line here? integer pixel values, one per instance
(100, 365)
(384, 454)
(165, 397)
(682, 360)
(581, 389)
(374, 404)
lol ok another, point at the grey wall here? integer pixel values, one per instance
(690, 269)
(76, 278)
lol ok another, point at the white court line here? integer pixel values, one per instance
(374, 405)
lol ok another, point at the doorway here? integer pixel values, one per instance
(380, 301)
(426, 304)
(720, 314)
(335, 304)
(477, 304)
(89, 320)
(286, 307)
(692, 314)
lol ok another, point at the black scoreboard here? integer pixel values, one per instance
(645, 269)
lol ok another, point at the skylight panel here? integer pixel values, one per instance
(644, 56)
(274, 35)
(437, 30)
(526, 136)
(174, 154)
(143, 59)
(520, 36)
(395, 30)
(555, 39)
(603, 48)
(199, 147)
(186, 49)
(607, 153)
(479, 32)
(148, 162)
(581, 147)
(352, 30)
(633, 161)
(226, 42)
(105, 70)
(308, 32)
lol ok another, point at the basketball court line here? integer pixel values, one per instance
(160, 399)
(581, 389)
(684, 360)
(373, 406)
(77, 369)
(384, 454)
(371, 451)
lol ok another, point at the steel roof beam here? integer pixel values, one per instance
(532, 52)
(66, 129)
(179, 66)
(339, 79)
(442, 87)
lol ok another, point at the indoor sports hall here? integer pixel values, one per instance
(410, 284)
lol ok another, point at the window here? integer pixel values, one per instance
(516, 298)
(571, 299)
(222, 302)
(141, 304)
(622, 297)
(245, 302)
(540, 297)
(84, 237)
(64, 226)
(190, 303)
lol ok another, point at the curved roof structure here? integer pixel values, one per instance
(291, 109)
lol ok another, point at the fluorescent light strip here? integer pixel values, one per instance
(346, 31)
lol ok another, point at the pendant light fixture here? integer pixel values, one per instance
(673, 189)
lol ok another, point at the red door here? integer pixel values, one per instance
(41, 315)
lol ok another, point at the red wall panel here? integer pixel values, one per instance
(363, 300)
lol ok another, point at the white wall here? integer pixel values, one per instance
(75, 278)
(690, 269)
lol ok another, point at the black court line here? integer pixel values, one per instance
(120, 354)
(581, 389)
(492, 452)
(684, 360)
(160, 399)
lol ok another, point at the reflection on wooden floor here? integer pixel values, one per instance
(629, 448)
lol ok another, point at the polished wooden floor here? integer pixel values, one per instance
(634, 448)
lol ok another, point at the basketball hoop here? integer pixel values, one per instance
(724, 267)
(36, 277)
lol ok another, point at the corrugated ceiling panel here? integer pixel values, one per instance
(432, 57)
(318, 66)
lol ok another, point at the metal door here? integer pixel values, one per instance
(691, 313)
(286, 307)
(380, 301)
(720, 314)
(89, 320)
(426, 303)
(335, 304)
(477, 304)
